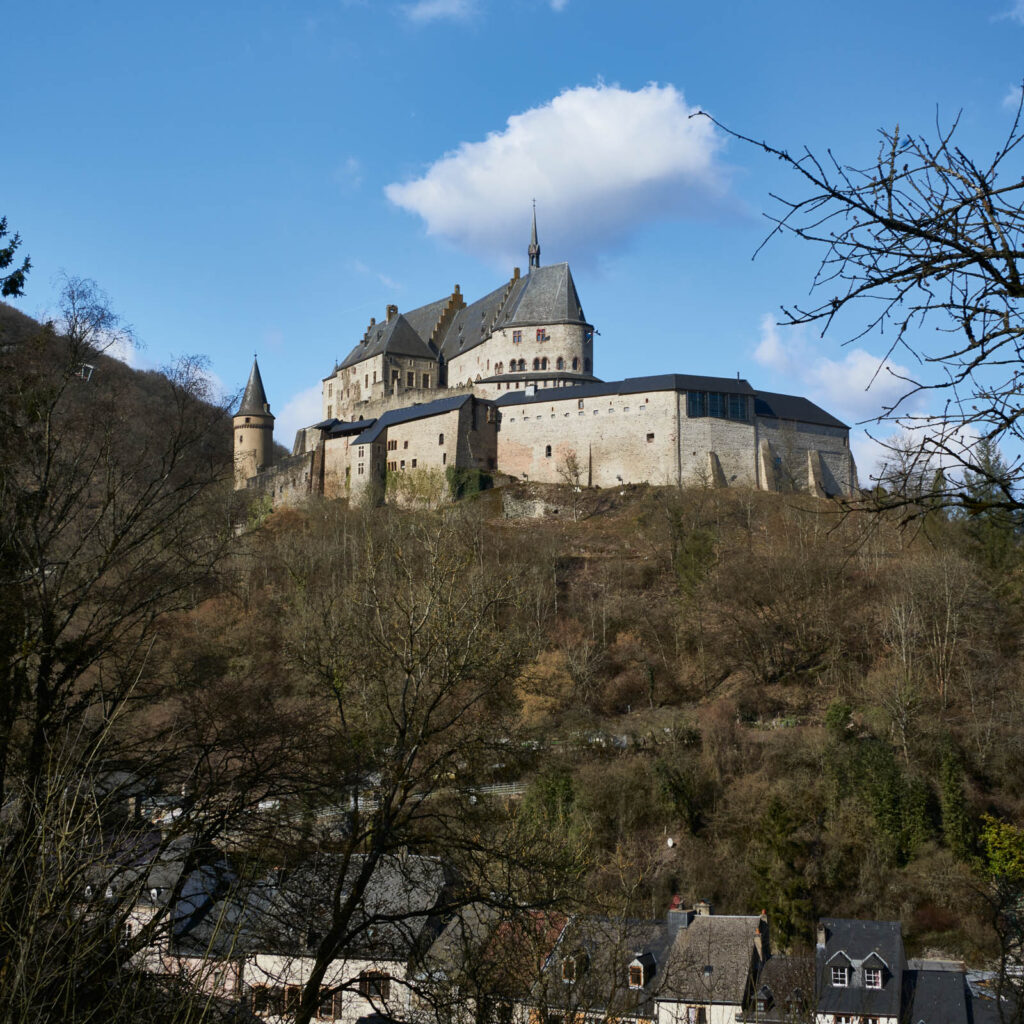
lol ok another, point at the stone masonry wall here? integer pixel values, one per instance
(790, 443)
(565, 341)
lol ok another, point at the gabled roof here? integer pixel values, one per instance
(936, 997)
(254, 400)
(473, 324)
(861, 941)
(396, 336)
(412, 412)
(711, 960)
(793, 407)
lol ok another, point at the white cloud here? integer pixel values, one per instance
(1012, 98)
(559, 5)
(1015, 13)
(598, 159)
(424, 11)
(301, 410)
(858, 387)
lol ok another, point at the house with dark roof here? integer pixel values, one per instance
(506, 384)
(860, 968)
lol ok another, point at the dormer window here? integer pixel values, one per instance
(840, 977)
(872, 977)
(636, 976)
(573, 966)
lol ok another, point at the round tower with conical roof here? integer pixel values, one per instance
(254, 430)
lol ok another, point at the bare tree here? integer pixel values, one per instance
(925, 237)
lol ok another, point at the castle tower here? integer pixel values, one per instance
(534, 248)
(253, 429)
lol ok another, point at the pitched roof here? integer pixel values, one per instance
(723, 944)
(412, 412)
(629, 386)
(548, 296)
(254, 400)
(859, 940)
(473, 324)
(793, 407)
(936, 997)
(396, 336)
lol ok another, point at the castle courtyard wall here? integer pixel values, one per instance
(790, 442)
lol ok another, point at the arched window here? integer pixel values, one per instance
(499, 368)
(560, 364)
(536, 364)
(544, 363)
(575, 363)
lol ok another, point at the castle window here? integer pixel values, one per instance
(405, 444)
(239, 438)
(366, 380)
(246, 419)
(402, 464)
(330, 390)
(517, 336)
(394, 376)
(575, 363)
(547, 451)
(444, 458)
(542, 334)
(359, 469)
(560, 363)
(329, 411)
(410, 380)
(413, 463)
(650, 438)
(579, 403)
(544, 363)
(440, 438)
(426, 380)
(374, 376)
(536, 364)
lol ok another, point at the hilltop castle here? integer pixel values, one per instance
(506, 384)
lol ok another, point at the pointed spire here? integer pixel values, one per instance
(534, 250)
(254, 401)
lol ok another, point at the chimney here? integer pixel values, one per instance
(515, 273)
(703, 908)
(678, 915)
(392, 313)
(822, 934)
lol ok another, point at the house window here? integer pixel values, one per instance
(872, 977)
(330, 1005)
(696, 1015)
(374, 985)
(547, 451)
(569, 969)
(440, 438)
(636, 976)
(394, 376)
(840, 976)
(411, 379)
(517, 337)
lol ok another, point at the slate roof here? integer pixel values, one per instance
(857, 940)
(341, 428)
(396, 336)
(630, 386)
(723, 943)
(412, 412)
(531, 375)
(603, 949)
(936, 996)
(788, 983)
(547, 295)
(793, 407)
(254, 399)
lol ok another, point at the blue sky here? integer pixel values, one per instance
(267, 176)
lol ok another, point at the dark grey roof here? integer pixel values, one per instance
(936, 997)
(254, 400)
(723, 944)
(549, 296)
(340, 428)
(793, 407)
(603, 949)
(858, 940)
(473, 324)
(632, 386)
(788, 984)
(530, 375)
(412, 412)
(396, 336)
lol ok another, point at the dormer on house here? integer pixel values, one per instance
(641, 970)
(860, 967)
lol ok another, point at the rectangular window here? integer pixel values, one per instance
(696, 405)
(330, 390)
(401, 465)
(374, 376)
(737, 407)
(394, 376)
(872, 977)
(440, 438)
(517, 337)
(411, 379)
(330, 1004)
(359, 469)
(542, 334)
(840, 976)
(426, 380)
(374, 985)
(413, 463)
(636, 977)
(696, 1015)
(405, 444)
(366, 380)
(650, 438)
(329, 411)
(444, 458)
(716, 404)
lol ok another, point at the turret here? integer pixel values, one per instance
(253, 430)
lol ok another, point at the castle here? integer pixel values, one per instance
(505, 384)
